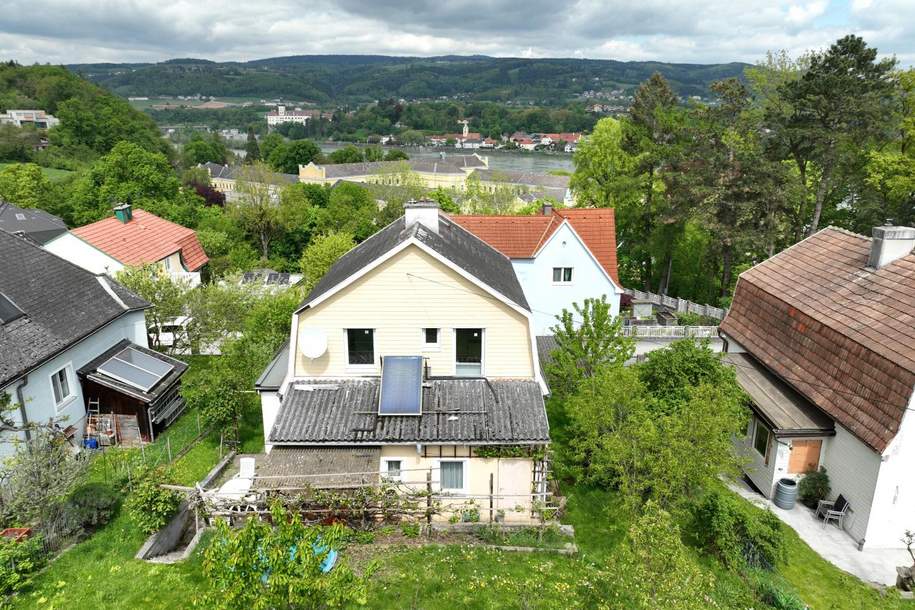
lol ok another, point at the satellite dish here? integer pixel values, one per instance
(312, 342)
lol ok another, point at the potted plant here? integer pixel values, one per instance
(813, 488)
(905, 575)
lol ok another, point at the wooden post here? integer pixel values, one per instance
(429, 499)
(490, 496)
(168, 446)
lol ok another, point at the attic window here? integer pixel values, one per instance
(9, 311)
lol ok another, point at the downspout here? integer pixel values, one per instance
(22, 412)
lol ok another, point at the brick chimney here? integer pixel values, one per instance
(424, 211)
(123, 212)
(890, 244)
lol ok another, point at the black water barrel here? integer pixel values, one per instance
(785, 494)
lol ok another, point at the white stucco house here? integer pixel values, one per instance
(561, 257)
(413, 360)
(822, 336)
(59, 325)
(130, 238)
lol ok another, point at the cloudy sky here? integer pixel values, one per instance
(77, 31)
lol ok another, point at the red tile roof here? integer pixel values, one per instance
(523, 236)
(842, 334)
(145, 239)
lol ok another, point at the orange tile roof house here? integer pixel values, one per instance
(131, 238)
(560, 256)
(823, 338)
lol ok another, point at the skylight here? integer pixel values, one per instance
(9, 311)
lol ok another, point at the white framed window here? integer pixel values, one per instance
(391, 468)
(167, 263)
(432, 339)
(452, 475)
(562, 275)
(62, 386)
(360, 347)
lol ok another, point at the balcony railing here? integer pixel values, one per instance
(670, 332)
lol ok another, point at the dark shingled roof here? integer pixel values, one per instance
(36, 224)
(62, 303)
(471, 411)
(461, 247)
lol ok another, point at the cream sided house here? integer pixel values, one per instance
(416, 354)
(822, 336)
(561, 257)
(131, 238)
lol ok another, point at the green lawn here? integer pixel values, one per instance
(101, 571)
(52, 174)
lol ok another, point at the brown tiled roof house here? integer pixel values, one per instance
(831, 322)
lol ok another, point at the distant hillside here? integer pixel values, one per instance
(360, 78)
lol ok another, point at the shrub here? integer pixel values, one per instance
(776, 595)
(813, 487)
(737, 533)
(18, 560)
(93, 505)
(410, 529)
(149, 505)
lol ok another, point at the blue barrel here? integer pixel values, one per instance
(785, 494)
(91, 443)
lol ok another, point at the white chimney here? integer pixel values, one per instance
(424, 211)
(890, 244)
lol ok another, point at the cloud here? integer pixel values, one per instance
(83, 31)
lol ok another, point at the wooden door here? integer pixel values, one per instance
(805, 456)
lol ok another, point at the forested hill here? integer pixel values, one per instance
(359, 78)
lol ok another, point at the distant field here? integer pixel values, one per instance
(153, 101)
(50, 172)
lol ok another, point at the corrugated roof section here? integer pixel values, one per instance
(474, 411)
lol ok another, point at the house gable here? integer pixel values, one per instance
(409, 291)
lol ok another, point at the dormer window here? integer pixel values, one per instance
(360, 346)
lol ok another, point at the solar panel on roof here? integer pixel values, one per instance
(272, 278)
(135, 368)
(284, 278)
(401, 385)
(248, 277)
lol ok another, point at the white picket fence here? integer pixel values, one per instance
(670, 332)
(677, 304)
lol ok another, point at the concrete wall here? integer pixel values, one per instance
(77, 251)
(39, 393)
(564, 249)
(893, 510)
(270, 408)
(408, 293)
(512, 479)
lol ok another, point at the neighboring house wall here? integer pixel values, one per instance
(853, 468)
(407, 293)
(270, 408)
(39, 394)
(547, 298)
(512, 478)
(893, 511)
(75, 250)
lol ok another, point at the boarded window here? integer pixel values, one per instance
(805, 456)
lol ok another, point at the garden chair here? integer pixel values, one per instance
(833, 510)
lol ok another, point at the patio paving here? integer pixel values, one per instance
(876, 566)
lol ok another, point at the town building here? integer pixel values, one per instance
(225, 178)
(37, 225)
(71, 340)
(36, 118)
(561, 257)
(450, 171)
(822, 337)
(282, 115)
(133, 238)
(416, 354)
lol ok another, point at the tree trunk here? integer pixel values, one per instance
(820, 198)
(665, 280)
(727, 266)
(265, 245)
